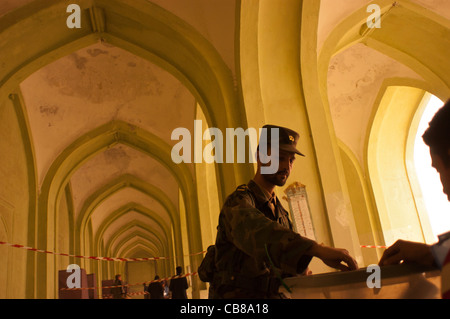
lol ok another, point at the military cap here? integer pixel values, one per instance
(287, 138)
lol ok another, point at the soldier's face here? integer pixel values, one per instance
(286, 161)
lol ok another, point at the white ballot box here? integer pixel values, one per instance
(405, 281)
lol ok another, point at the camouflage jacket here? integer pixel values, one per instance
(246, 227)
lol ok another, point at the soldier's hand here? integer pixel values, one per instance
(334, 257)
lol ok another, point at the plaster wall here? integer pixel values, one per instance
(14, 201)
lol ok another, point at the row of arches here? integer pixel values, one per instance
(405, 28)
(293, 91)
(155, 35)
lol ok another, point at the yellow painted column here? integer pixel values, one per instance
(282, 91)
(332, 175)
(386, 155)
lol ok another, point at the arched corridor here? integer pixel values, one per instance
(87, 119)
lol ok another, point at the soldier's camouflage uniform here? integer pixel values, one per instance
(246, 224)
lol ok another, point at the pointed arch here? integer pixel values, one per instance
(95, 141)
(391, 39)
(148, 239)
(385, 161)
(142, 28)
(116, 185)
(142, 211)
(159, 247)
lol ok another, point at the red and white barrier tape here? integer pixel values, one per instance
(91, 257)
(119, 258)
(139, 284)
(129, 294)
(372, 246)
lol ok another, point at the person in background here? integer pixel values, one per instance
(120, 291)
(155, 289)
(178, 285)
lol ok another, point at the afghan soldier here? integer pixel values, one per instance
(255, 244)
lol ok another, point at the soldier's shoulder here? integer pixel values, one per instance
(242, 189)
(241, 195)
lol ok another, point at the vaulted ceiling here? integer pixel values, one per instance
(95, 86)
(101, 84)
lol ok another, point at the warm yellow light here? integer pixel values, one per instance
(437, 205)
